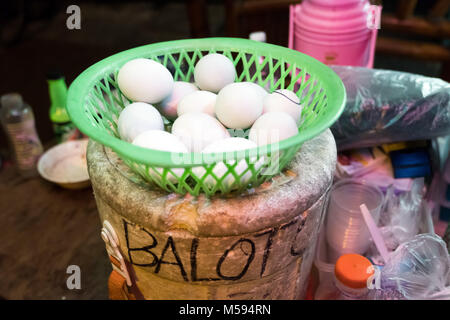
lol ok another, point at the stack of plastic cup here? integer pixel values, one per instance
(346, 231)
(337, 32)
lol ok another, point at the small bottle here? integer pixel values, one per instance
(351, 275)
(63, 128)
(18, 122)
(260, 36)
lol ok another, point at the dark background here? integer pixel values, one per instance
(45, 228)
(35, 39)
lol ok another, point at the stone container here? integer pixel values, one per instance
(257, 245)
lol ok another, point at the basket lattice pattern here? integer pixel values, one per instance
(95, 103)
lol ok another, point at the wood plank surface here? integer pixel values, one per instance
(43, 230)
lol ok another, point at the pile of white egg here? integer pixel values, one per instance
(202, 111)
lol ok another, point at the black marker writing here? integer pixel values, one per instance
(225, 254)
(272, 232)
(299, 228)
(194, 247)
(171, 244)
(145, 249)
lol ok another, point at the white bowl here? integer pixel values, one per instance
(65, 164)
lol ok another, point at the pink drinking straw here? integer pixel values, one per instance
(374, 232)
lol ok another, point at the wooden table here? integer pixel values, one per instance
(43, 230)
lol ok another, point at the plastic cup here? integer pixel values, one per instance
(333, 31)
(346, 230)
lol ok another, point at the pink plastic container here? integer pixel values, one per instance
(334, 31)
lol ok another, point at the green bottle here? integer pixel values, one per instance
(63, 128)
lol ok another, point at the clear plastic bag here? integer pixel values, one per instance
(418, 269)
(400, 220)
(402, 217)
(387, 106)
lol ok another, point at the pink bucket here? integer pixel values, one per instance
(333, 31)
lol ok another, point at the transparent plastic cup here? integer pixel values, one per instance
(346, 231)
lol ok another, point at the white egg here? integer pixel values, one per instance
(197, 130)
(145, 80)
(169, 105)
(238, 105)
(228, 145)
(198, 101)
(137, 118)
(258, 88)
(272, 127)
(285, 101)
(163, 141)
(213, 72)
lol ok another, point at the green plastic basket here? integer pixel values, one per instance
(94, 106)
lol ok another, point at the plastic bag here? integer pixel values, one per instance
(401, 217)
(418, 269)
(388, 106)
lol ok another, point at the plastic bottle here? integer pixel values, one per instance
(261, 36)
(351, 276)
(63, 128)
(18, 122)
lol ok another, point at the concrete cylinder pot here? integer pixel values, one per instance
(259, 245)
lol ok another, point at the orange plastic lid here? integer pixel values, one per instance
(353, 270)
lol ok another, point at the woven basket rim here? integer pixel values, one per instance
(81, 86)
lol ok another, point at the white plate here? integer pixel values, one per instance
(65, 164)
